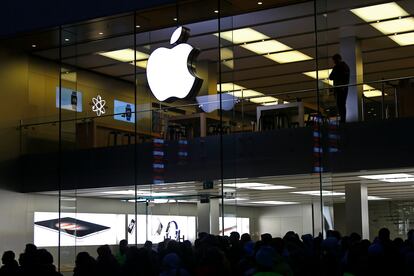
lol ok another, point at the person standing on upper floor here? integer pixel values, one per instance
(340, 76)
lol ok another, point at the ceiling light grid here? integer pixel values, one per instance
(391, 20)
(244, 93)
(128, 56)
(263, 45)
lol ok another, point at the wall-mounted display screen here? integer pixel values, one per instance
(124, 111)
(162, 227)
(78, 229)
(241, 225)
(71, 100)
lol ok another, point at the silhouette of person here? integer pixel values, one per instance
(10, 266)
(340, 76)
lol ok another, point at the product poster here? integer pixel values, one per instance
(71, 100)
(162, 227)
(78, 229)
(124, 111)
(241, 225)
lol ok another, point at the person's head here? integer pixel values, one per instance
(104, 251)
(83, 259)
(45, 258)
(171, 261)
(123, 246)
(384, 234)
(234, 236)
(148, 245)
(245, 238)
(266, 238)
(337, 58)
(8, 257)
(30, 248)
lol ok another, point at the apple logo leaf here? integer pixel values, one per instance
(171, 72)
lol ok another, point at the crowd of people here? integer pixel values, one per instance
(235, 255)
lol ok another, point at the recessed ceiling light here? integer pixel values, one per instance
(380, 12)
(175, 19)
(216, 11)
(318, 193)
(403, 39)
(140, 193)
(377, 198)
(66, 39)
(262, 100)
(262, 45)
(259, 3)
(274, 202)
(323, 75)
(124, 55)
(246, 93)
(392, 177)
(137, 26)
(395, 26)
(371, 92)
(271, 103)
(257, 186)
(100, 33)
(34, 45)
(235, 199)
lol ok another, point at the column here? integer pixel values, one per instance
(208, 213)
(356, 209)
(350, 50)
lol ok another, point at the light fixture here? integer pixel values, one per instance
(100, 33)
(259, 3)
(142, 63)
(216, 11)
(318, 193)
(270, 103)
(34, 45)
(175, 19)
(235, 199)
(289, 56)
(229, 86)
(395, 26)
(139, 193)
(262, 44)
(66, 39)
(392, 177)
(275, 202)
(403, 39)
(370, 91)
(380, 12)
(124, 55)
(257, 186)
(246, 93)
(265, 99)
(377, 198)
(227, 57)
(137, 26)
(323, 75)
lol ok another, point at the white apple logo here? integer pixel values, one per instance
(171, 72)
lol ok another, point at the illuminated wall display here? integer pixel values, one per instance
(78, 229)
(124, 111)
(171, 72)
(71, 100)
(98, 105)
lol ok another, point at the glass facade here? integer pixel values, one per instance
(114, 128)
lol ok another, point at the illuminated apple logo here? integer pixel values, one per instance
(171, 72)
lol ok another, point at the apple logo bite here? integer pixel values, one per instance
(171, 72)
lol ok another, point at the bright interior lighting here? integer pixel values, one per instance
(392, 178)
(271, 103)
(142, 63)
(274, 202)
(266, 47)
(323, 75)
(139, 193)
(265, 99)
(245, 93)
(380, 12)
(395, 26)
(227, 57)
(318, 193)
(403, 39)
(235, 199)
(370, 91)
(228, 86)
(124, 55)
(290, 56)
(242, 35)
(257, 186)
(377, 198)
